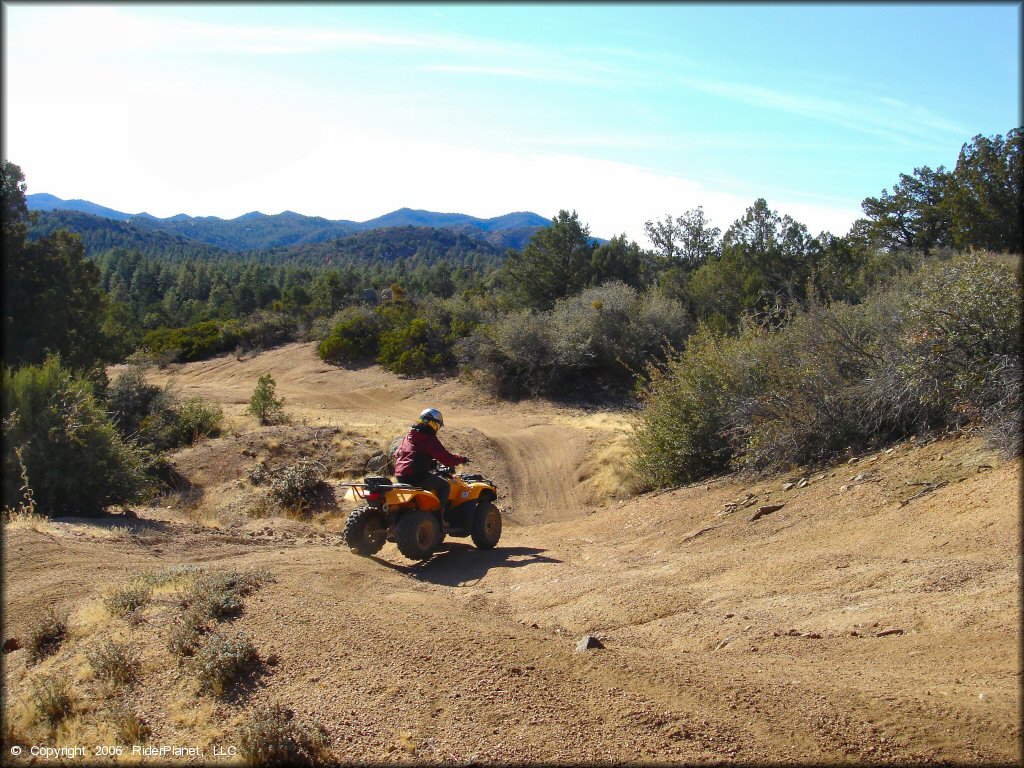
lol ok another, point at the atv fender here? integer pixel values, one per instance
(424, 500)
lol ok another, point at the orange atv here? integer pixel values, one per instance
(411, 517)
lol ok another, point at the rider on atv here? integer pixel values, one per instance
(413, 459)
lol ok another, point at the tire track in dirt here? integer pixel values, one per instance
(543, 462)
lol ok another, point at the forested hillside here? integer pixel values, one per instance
(100, 234)
(413, 245)
(249, 232)
(257, 231)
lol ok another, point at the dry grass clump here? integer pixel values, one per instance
(172, 577)
(130, 726)
(52, 698)
(294, 474)
(27, 505)
(115, 664)
(224, 660)
(213, 598)
(46, 635)
(128, 601)
(24, 515)
(272, 736)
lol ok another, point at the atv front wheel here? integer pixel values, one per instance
(365, 531)
(486, 526)
(416, 534)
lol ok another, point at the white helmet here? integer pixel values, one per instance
(432, 416)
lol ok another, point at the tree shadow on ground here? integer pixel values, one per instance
(185, 493)
(127, 520)
(456, 564)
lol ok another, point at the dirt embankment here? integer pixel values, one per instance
(874, 616)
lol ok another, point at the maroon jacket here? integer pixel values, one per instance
(412, 459)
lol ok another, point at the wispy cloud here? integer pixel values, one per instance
(77, 30)
(541, 74)
(97, 28)
(874, 116)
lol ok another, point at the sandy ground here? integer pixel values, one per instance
(874, 617)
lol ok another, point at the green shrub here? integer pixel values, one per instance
(130, 400)
(272, 736)
(940, 350)
(963, 327)
(194, 342)
(195, 419)
(401, 335)
(75, 457)
(819, 394)
(683, 432)
(513, 355)
(602, 336)
(263, 404)
(46, 635)
(224, 660)
(156, 417)
(460, 316)
(355, 337)
(264, 329)
(418, 347)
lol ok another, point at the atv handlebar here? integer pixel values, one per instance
(444, 470)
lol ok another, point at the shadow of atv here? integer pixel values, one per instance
(455, 563)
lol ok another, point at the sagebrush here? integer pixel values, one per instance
(224, 660)
(272, 735)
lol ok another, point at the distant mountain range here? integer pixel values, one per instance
(258, 231)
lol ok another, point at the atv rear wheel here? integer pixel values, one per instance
(486, 528)
(416, 534)
(365, 531)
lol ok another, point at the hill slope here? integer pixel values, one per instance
(45, 202)
(872, 618)
(101, 234)
(260, 231)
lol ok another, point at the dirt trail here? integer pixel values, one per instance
(859, 622)
(536, 462)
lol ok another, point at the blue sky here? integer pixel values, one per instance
(623, 113)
